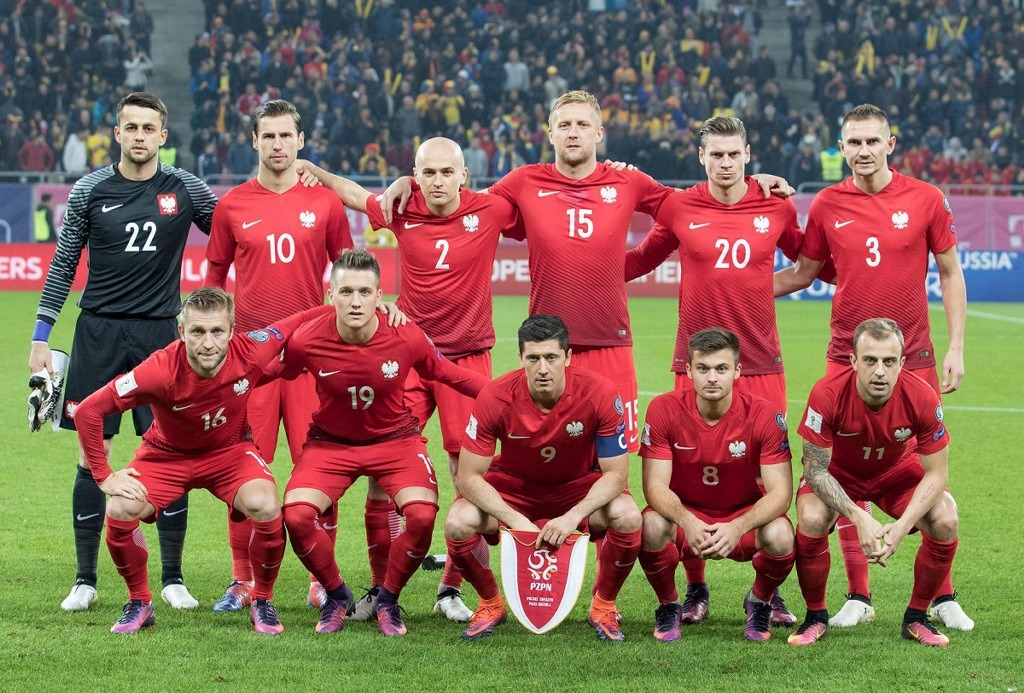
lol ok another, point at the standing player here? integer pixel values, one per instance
(280, 236)
(563, 456)
(875, 433)
(199, 388)
(134, 217)
(718, 478)
(363, 427)
(576, 214)
(447, 238)
(726, 232)
(879, 226)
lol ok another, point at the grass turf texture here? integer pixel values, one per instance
(43, 648)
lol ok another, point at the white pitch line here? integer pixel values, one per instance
(982, 314)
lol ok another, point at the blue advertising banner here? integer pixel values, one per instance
(991, 275)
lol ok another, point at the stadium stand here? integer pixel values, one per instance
(384, 74)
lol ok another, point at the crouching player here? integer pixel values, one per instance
(875, 433)
(563, 456)
(363, 428)
(199, 389)
(717, 475)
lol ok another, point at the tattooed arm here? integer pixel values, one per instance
(828, 490)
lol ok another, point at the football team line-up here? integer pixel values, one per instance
(543, 448)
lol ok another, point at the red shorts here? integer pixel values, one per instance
(771, 386)
(294, 401)
(616, 364)
(333, 467)
(423, 396)
(167, 475)
(538, 501)
(744, 550)
(891, 492)
(928, 374)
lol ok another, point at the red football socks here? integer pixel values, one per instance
(266, 552)
(130, 555)
(465, 556)
(311, 543)
(408, 550)
(813, 561)
(659, 566)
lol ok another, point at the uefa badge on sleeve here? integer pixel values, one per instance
(541, 584)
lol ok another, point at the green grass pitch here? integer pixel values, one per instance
(43, 648)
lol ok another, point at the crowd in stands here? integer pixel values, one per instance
(374, 77)
(949, 74)
(64, 65)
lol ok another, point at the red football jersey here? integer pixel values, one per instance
(576, 232)
(280, 244)
(715, 468)
(880, 245)
(362, 387)
(545, 448)
(727, 257)
(191, 413)
(867, 444)
(446, 265)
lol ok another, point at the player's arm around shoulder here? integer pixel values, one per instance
(353, 195)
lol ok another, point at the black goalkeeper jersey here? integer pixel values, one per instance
(136, 233)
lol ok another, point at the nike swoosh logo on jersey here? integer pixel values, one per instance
(412, 226)
(172, 513)
(841, 433)
(694, 227)
(545, 193)
(841, 224)
(512, 437)
(633, 439)
(83, 518)
(177, 408)
(677, 446)
(324, 374)
(247, 224)
(111, 208)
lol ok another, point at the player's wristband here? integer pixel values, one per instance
(42, 331)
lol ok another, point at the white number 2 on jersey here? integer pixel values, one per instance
(442, 245)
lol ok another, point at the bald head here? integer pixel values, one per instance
(440, 149)
(440, 171)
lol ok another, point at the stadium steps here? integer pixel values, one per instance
(177, 22)
(775, 34)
